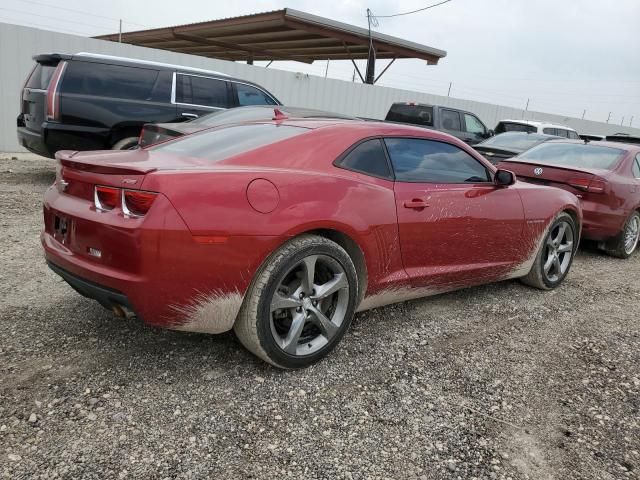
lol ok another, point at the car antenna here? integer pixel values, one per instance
(278, 115)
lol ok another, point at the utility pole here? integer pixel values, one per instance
(120, 32)
(525, 108)
(583, 112)
(609, 117)
(622, 121)
(326, 70)
(449, 92)
(631, 121)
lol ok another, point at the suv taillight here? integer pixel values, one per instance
(53, 93)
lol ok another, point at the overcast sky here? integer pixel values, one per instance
(565, 56)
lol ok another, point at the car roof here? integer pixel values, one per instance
(537, 123)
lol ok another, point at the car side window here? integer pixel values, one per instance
(636, 166)
(550, 131)
(430, 161)
(473, 125)
(573, 135)
(248, 95)
(203, 91)
(561, 132)
(451, 120)
(369, 158)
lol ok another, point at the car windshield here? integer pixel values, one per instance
(225, 142)
(573, 155)
(515, 141)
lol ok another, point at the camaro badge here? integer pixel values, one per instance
(538, 171)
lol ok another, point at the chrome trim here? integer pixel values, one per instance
(96, 200)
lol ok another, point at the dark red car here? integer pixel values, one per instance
(605, 176)
(283, 229)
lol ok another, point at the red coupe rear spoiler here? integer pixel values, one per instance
(92, 163)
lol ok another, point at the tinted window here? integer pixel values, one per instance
(195, 90)
(102, 80)
(573, 155)
(515, 127)
(248, 95)
(561, 132)
(226, 142)
(416, 160)
(550, 131)
(636, 166)
(573, 135)
(40, 77)
(415, 114)
(451, 120)
(473, 125)
(369, 158)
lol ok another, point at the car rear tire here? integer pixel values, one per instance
(300, 303)
(128, 143)
(555, 255)
(623, 245)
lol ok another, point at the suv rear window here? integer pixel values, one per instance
(414, 114)
(514, 127)
(203, 91)
(40, 77)
(225, 142)
(104, 80)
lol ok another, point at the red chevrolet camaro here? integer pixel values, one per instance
(605, 176)
(283, 229)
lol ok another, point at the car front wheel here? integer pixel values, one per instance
(300, 303)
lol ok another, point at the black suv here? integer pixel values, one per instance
(94, 102)
(464, 125)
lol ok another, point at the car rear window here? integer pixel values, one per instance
(225, 142)
(414, 114)
(518, 141)
(104, 80)
(40, 77)
(574, 155)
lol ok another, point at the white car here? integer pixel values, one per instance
(531, 126)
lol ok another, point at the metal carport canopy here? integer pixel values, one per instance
(278, 35)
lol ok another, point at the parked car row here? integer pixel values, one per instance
(280, 223)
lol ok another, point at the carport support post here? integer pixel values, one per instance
(120, 32)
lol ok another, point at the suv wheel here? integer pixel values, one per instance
(128, 143)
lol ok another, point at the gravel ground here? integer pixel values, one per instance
(499, 381)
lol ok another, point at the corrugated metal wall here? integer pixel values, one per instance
(18, 44)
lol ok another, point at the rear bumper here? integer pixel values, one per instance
(58, 136)
(152, 266)
(33, 142)
(107, 297)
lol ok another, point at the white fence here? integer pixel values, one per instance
(18, 44)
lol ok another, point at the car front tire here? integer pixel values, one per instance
(300, 303)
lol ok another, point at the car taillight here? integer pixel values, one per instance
(137, 203)
(587, 184)
(106, 198)
(53, 93)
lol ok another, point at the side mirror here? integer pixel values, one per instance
(490, 133)
(504, 178)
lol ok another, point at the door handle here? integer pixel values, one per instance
(190, 115)
(416, 203)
